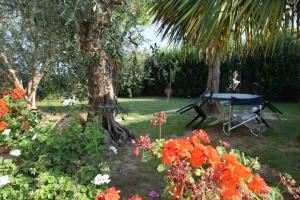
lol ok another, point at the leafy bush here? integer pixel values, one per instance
(47, 163)
(183, 70)
(276, 73)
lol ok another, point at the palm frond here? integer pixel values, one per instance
(201, 23)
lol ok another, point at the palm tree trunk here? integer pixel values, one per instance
(213, 56)
(214, 62)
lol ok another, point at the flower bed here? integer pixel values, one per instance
(48, 163)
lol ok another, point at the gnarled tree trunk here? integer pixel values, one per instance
(102, 98)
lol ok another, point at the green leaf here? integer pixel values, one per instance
(161, 167)
(147, 156)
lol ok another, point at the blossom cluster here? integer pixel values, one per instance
(11, 105)
(16, 93)
(114, 194)
(142, 143)
(3, 107)
(158, 119)
(199, 170)
(109, 194)
(4, 180)
(70, 101)
(101, 179)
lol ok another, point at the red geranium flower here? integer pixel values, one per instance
(176, 149)
(3, 108)
(3, 125)
(17, 93)
(199, 157)
(154, 123)
(143, 142)
(258, 185)
(202, 135)
(161, 117)
(109, 194)
(136, 197)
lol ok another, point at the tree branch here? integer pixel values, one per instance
(12, 73)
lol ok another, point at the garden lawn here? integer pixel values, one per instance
(278, 148)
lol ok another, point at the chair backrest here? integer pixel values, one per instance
(253, 102)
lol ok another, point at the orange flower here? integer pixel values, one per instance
(109, 194)
(258, 185)
(176, 149)
(199, 157)
(231, 193)
(241, 171)
(3, 125)
(213, 157)
(17, 93)
(230, 175)
(136, 197)
(202, 135)
(3, 108)
(229, 158)
(237, 169)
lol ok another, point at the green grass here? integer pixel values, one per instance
(278, 148)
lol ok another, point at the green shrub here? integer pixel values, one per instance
(277, 73)
(45, 162)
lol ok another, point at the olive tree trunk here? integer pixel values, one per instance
(31, 90)
(100, 72)
(33, 83)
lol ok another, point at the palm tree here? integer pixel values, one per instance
(212, 25)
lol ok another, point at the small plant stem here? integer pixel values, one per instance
(159, 130)
(142, 155)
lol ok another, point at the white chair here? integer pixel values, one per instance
(250, 117)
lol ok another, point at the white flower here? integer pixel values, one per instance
(114, 149)
(15, 152)
(4, 180)
(6, 132)
(70, 101)
(34, 137)
(101, 179)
